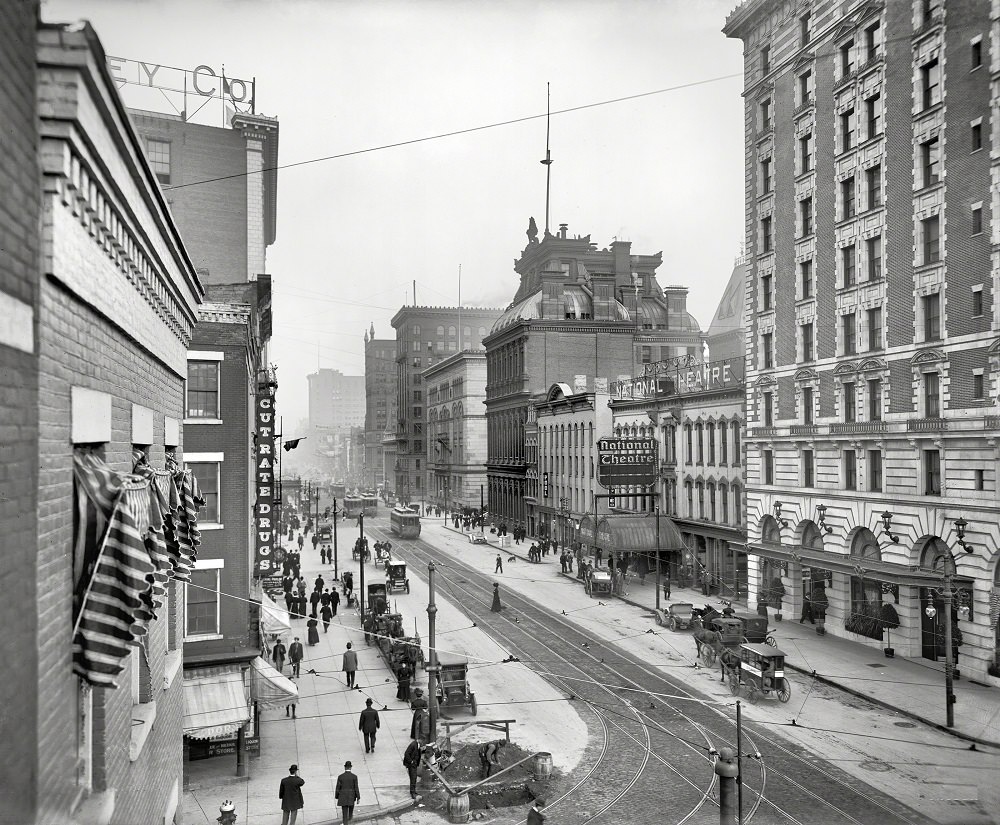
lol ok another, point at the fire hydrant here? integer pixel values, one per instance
(228, 813)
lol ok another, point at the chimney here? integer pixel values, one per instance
(562, 230)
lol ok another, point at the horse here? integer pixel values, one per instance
(706, 638)
(729, 660)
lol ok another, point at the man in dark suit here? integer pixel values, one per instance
(347, 792)
(290, 794)
(295, 655)
(411, 761)
(369, 725)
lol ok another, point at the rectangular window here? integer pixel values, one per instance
(804, 29)
(768, 467)
(977, 301)
(201, 603)
(848, 257)
(765, 234)
(849, 398)
(850, 470)
(980, 480)
(873, 251)
(203, 389)
(158, 154)
(872, 42)
(874, 328)
(875, 471)
(807, 342)
(977, 220)
(847, 192)
(976, 56)
(765, 175)
(765, 59)
(805, 88)
(766, 347)
(207, 475)
(723, 444)
(806, 278)
(806, 212)
(930, 159)
(765, 292)
(931, 308)
(807, 405)
(930, 83)
(846, 58)
(805, 153)
(978, 386)
(976, 131)
(873, 116)
(765, 115)
(874, 400)
(932, 395)
(932, 239)
(932, 473)
(807, 468)
(768, 409)
(873, 185)
(847, 130)
(848, 328)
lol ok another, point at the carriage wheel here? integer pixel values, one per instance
(368, 638)
(770, 640)
(708, 656)
(783, 690)
(407, 585)
(734, 684)
(752, 694)
(475, 706)
(673, 624)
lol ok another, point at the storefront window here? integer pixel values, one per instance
(866, 593)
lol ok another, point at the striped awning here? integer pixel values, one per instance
(268, 687)
(631, 533)
(215, 704)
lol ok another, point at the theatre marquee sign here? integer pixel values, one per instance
(626, 462)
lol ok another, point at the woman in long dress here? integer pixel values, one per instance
(313, 626)
(496, 608)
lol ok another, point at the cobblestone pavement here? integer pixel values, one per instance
(650, 760)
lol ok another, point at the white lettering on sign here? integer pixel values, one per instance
(264, 538)
(204, 80)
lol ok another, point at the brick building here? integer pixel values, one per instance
(380, 388)
(118, 301)
(872, 362)
(580, 314)
(456, 430)
(424, 337)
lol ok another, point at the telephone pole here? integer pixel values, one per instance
(361, 555)
(432, 661)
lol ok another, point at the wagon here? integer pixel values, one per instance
(389, 627)
(677, 617)
(598, 582)
(453, 684)
(755, 629)
(730, 630)
(361, 549)
(396, 579)
(383, 552)
(761, 672)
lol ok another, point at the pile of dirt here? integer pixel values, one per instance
(466, 769)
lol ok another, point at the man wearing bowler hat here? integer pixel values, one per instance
(290, 794)
(347, 792)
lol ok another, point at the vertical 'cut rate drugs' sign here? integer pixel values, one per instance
(264, 471)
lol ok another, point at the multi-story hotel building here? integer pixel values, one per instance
(580, 315)
(380, 387)
(872, 360)
(425, 336)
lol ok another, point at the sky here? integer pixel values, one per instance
(664, 170)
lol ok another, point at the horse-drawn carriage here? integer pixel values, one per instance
(716, 635)
(453, 684)
(383, 552)
(761, 672)
(396, 580)
(755, 629)
(377, 604)
(405, 650)
(677, 616)
(361, 551)
(597, 583)
(388, 627)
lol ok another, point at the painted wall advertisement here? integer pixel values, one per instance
(264, 470)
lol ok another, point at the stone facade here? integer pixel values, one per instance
(871, 366)
(380, 389)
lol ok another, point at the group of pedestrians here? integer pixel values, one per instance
(347, 793)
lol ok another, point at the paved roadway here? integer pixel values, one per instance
(652, 739)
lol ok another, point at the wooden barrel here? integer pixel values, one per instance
(543, 766)
(458, 808)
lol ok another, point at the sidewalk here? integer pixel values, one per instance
(907, 686)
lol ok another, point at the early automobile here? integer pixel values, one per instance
(453, 684)
(597, 583)
(396, 580)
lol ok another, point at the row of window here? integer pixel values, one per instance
(709, 436)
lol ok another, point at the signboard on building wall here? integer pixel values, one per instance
(681, 377)
(626, 461)
(264, 482)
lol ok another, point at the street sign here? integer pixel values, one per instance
(545, 485)
(626, 461)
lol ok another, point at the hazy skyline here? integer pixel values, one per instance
(664, 171)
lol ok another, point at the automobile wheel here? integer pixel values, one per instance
(673, 624)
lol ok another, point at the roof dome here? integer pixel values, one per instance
(576, 304)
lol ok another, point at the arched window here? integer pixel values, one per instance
(812, 537)
(689, 440)
(440, 331)
(770, 532)
(737, 504)
(701, 499)
(711, 501)
(482, 332)
(724, 501)
(452, 332)
(737, 453)
(723, 443)
(710, 435)
(689, 491)
(701, 443)
(866, 593)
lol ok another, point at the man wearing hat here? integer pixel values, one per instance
(419, 705)
(347, 792)
(290, 794)
(535, 815)
(369, 725)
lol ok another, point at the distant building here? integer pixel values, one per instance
(456, 430)
(872, 359)
(726, 336)
(424, 337)
(336, 403)
(380, 389)
(583, 316)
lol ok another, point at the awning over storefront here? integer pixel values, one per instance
(273, 619)
(906, 575)
(268, 687)
(588, 530)
(630, 533)
(215, 703)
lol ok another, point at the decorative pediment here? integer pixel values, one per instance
(764, 91)
(873, 365)
(806, 374)
(928, 356)
(846, 368)
(994, 348)
(765, 381)
(868, 11)
(803, 61)
(711, 479)
(845, 29)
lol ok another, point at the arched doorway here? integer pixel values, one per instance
(932, 556)
(866, 593)
(770, 585)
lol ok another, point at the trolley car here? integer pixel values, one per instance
(404, 523)
(356, 505)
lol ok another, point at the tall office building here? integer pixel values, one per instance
(380, 388)
(336, 404)
(872, 359)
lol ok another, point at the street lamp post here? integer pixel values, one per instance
(656, 509)
(947, 591)
(432, 659)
